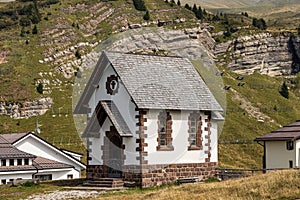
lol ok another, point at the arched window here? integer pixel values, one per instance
(195, 131)
(164, 131)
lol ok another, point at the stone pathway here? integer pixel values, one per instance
(61, 195)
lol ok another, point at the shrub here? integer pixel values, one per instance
(139, 5)
(34, 30)
(39, 88)
(147, 16)
(284, 91)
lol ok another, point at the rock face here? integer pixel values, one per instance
(264, 53)
(26, 109)
(294, 47)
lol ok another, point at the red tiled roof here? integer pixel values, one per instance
(17, 168)
(10, 151)
(12, 137)
(39, 163)
(44, 163)
(289, 132)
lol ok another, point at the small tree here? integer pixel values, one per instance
(34, 30)
(228, 32)
(178, 3)
(147, 16)
(39, 88)
(187, 6)
(284, 91)
(199, 13)
(195, 9)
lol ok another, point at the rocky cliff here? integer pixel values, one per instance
(26, 109)
(265, 53)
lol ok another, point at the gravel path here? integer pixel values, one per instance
(59, 195)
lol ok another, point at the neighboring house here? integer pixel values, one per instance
(282, 147)
(151, 120)
(27, 156)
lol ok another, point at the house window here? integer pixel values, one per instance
(164, 131)
(11, 162)
(70, 176)
(289, 145)
(195, 131)
(19, 161)
(3, 181)
(26, 161)
(3, 162)
(46, 177)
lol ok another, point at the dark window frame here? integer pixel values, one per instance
(164, 131)
(44, 177)
(3, 162)
(19, 161)
(26, 161)
(290, 145)
(11, 162)
(70, 176)
(195, 131)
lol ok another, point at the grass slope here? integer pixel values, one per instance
(275, 185)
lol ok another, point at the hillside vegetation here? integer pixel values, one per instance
(279, 13)
(72, 28)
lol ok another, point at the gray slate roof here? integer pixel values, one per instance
(154, 82)
(116, 118)
(160, 82)
(289, 132)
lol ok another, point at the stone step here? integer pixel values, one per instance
(104, 182)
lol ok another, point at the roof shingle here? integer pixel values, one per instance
(161, 82)
(289, 132)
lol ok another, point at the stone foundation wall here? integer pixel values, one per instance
(96, 171)
(155, 175)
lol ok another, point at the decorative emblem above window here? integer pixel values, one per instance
(112, 85)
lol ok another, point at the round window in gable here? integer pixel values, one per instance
(112, 85)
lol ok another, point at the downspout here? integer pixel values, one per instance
(37, 170)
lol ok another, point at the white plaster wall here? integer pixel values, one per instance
(60, 174)
(127, 109)
(57, 174)
(121, 99)
(214, 141)
(130, 150)
(15, 175)
(180, 154)
(38, 148)
(97, 143)
(277, 156)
